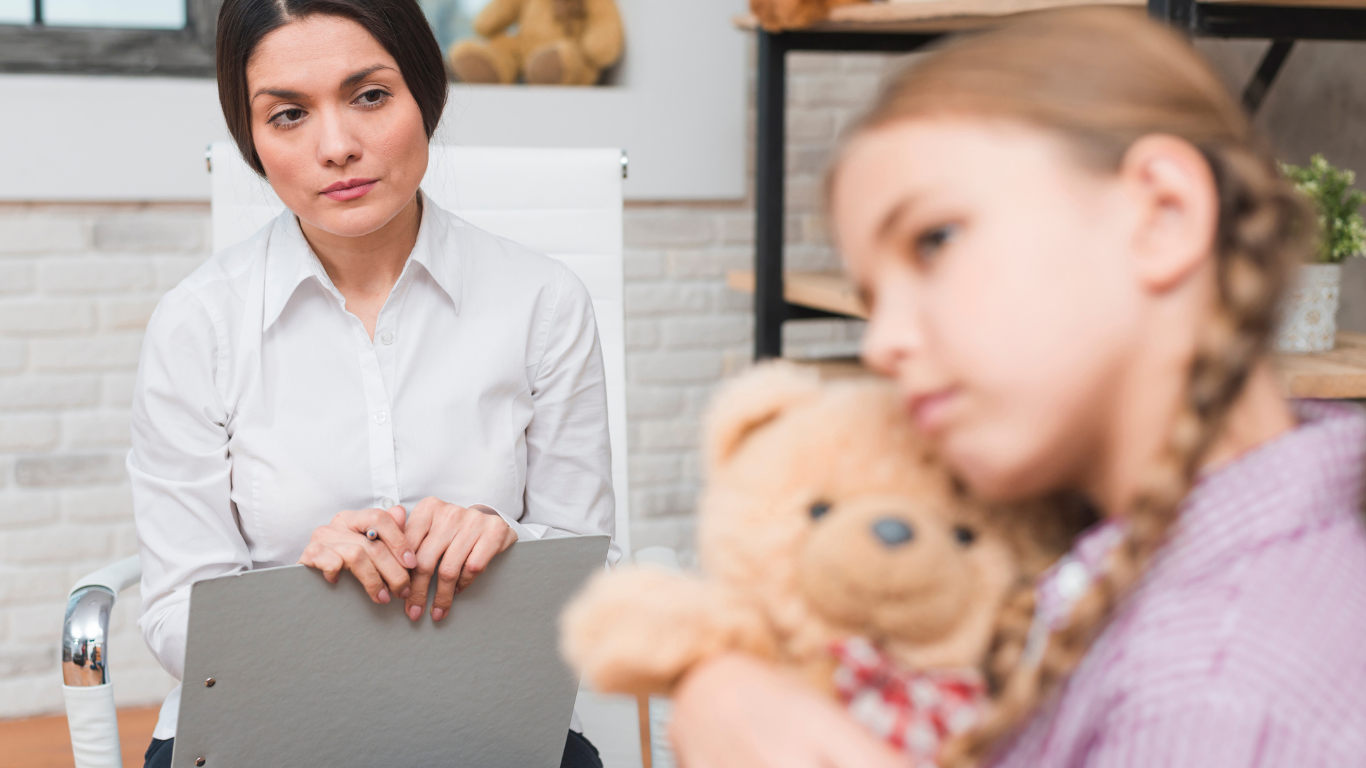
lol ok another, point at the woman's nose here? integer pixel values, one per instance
(893, 532)
(337, 145)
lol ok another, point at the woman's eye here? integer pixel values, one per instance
(286, 118)
(929, 243)
(819, 509)
(372, 97)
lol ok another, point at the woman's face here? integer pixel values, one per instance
(1001, 300)
(339, 134)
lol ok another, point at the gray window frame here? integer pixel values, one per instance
(186, 52)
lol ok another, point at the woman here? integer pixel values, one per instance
(1072, 244)
(368, 384)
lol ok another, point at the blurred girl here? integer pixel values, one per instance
(1072, 245)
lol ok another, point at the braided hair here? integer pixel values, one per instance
(1103, 79)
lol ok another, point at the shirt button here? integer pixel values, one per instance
(386, 502)
(386, 338)
(381, 417)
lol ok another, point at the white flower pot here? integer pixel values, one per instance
(1309, 315)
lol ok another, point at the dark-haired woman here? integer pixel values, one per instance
(366, 362)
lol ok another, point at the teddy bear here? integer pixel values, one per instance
(834, 543)
(557, 42)
(777, 15)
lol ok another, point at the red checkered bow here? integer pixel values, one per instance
(914, 711)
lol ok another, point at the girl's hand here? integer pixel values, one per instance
(381, 565)
(456, 544)
(737, 712)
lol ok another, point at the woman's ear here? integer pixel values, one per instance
(1178, 209)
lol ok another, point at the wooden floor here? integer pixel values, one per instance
(44, 742)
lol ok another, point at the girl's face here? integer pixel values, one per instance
(338, 132)
(1000, 296)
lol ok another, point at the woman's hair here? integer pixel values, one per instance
(398, 25)
(1102, 79)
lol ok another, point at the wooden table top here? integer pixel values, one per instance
(951, 15)
(1335, 375)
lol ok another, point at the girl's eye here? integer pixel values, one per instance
(929, 243)
(286, 118)
(372, 97)
(819, 509)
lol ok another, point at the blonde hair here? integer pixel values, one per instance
(1102, 79)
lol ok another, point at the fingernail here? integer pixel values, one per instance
(414, 612)
(438, 614)
(409, 560)
(404, 594)
(383, 595)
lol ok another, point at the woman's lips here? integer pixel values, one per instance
(931, 410)
(350, 189)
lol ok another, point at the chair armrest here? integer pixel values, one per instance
(85, 633)
(90, 712)
(115, 577)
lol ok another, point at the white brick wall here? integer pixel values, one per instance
(78, 283)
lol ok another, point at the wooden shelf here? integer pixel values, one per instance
(829, 291)
(931, 15)
(1339, 374)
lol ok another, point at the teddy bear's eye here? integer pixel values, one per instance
(964, 535)
(819, 509)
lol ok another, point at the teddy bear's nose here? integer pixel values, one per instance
(892, 532)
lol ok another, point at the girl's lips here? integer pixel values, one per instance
(350, 190)
(931, 410)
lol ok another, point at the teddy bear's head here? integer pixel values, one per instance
(825, 507)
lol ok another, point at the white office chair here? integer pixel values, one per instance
(565, 203)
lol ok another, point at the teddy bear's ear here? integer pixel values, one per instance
(751, 401)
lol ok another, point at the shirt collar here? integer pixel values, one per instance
(290, 261)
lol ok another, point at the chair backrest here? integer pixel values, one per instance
(565, 203)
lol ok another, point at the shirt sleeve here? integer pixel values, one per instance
(1213, 730)
(180, 472)
(569, 457)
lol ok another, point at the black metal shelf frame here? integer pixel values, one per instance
(1282, 25)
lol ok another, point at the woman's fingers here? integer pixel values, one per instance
(452, 564)
(388, 528)
(419, 523)
(317, 555)
(360, 563)
(437, 534)
(496, 537)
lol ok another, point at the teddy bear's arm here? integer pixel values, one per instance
(602, 38)
(638, 630)
(497, 16)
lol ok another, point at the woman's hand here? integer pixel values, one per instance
(380, 565)
(456, 544)
(737, 712)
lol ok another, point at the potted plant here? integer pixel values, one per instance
(1309, 317)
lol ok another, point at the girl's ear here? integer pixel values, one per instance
(751, 401)
(1178, 216)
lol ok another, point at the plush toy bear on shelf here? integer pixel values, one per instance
(557, 42)
(833, 544)
(776, 15)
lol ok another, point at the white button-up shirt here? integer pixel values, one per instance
(263, 408)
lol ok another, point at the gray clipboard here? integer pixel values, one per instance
(308, 673)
